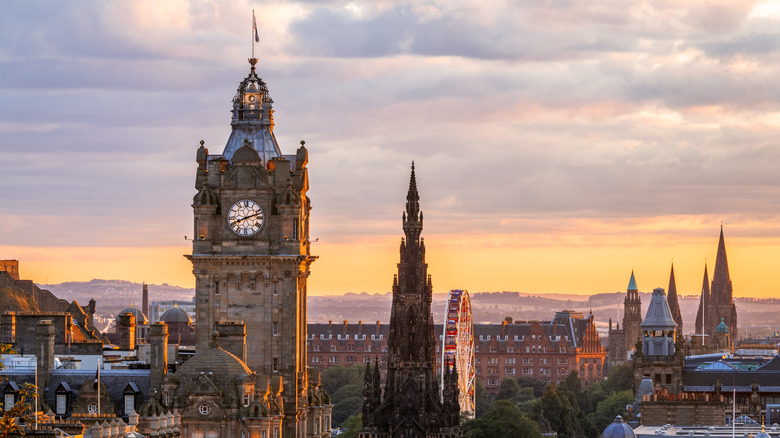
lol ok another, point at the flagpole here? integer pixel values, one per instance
(98, 389)
(36, 397)
(252, 33)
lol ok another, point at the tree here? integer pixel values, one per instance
(481, 401)
(335, 377)
(538, 385)
(21, 409)
(613, 405)
(508, 389)
(503, 420)
(353, 424)
(620, 378)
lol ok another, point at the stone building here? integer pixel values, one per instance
(411, 405)
(622, 341)
(661, 357)
(251, 256)
(717, 302)
(549, 350)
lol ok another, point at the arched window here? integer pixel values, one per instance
(211, 433)
(197, 433)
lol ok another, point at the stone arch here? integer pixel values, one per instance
(246, 281)
(232, 283)
(197, 433)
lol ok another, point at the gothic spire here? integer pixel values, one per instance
(632, 282)
(704, 304)
(721, 280)
(674, 306)
(412, 217)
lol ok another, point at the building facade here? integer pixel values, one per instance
(548, 350)
(622, 342)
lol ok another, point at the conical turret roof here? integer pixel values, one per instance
(704, 303)
(671, 299)
(632, 282)
(658, 316)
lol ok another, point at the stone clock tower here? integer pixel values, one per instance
(251, 250)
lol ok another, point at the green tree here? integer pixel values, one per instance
(335, 377)
(21, 410)
(503, 420)
(509, 389)
(353, 426)
(620, 378)
(613, 405)
(538, 385)
(481, 401)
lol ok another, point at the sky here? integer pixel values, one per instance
(558, 145)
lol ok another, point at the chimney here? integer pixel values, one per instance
(145, 301)
(377, 327)
(159, 356)
(360, 327)
(344, 330)
(44, 331)
(232, 337)
(125, 327)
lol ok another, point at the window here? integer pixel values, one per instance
(216, 292)
(203, 409)
(509, 370)
(510, 349)
(295, 229)
(211, 433)
(62, 404)
(129, 403)
(276, 432)
(332, 347)
(493, 349)
(264, 435)
(92, 409)
(276, 364)
(167, 398)
(247, 398)
(197, 433)
(276, 328)
(276, 287)
(350, 347)
(316, 347)
(9, 401)
(368, 347)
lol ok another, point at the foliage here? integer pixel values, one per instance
(504, 419)
(21, 410)
(613, 405)
(353, 425)
(481, 401)
(620, 378)
(336, 377)
(538, 385)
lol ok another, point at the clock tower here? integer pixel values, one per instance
(251, 250)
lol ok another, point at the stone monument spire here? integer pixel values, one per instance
(411, 406)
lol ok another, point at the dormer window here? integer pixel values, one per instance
(10, 394)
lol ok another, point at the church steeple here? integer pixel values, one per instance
(704, 304)
(721, 298)
(674, 306)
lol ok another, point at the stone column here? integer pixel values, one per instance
(159, 354)
(44, 332)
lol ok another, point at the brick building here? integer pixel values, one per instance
(547, 350)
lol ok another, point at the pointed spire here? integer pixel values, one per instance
(704, 304)
(412, 217)
(674, 305)
(632, 282)
(721, 280)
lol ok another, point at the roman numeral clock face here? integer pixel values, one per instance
(245, 218)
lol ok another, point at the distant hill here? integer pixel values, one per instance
(757, 317)
(12, 299)
(113, 296)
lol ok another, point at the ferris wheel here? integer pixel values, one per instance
(458, 347)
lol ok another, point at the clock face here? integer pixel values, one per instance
(245, 218)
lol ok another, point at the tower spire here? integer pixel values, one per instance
(704, 304)
(721, 298)
(674, 306)
(412, 218)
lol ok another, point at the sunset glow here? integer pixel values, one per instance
(557, 147)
